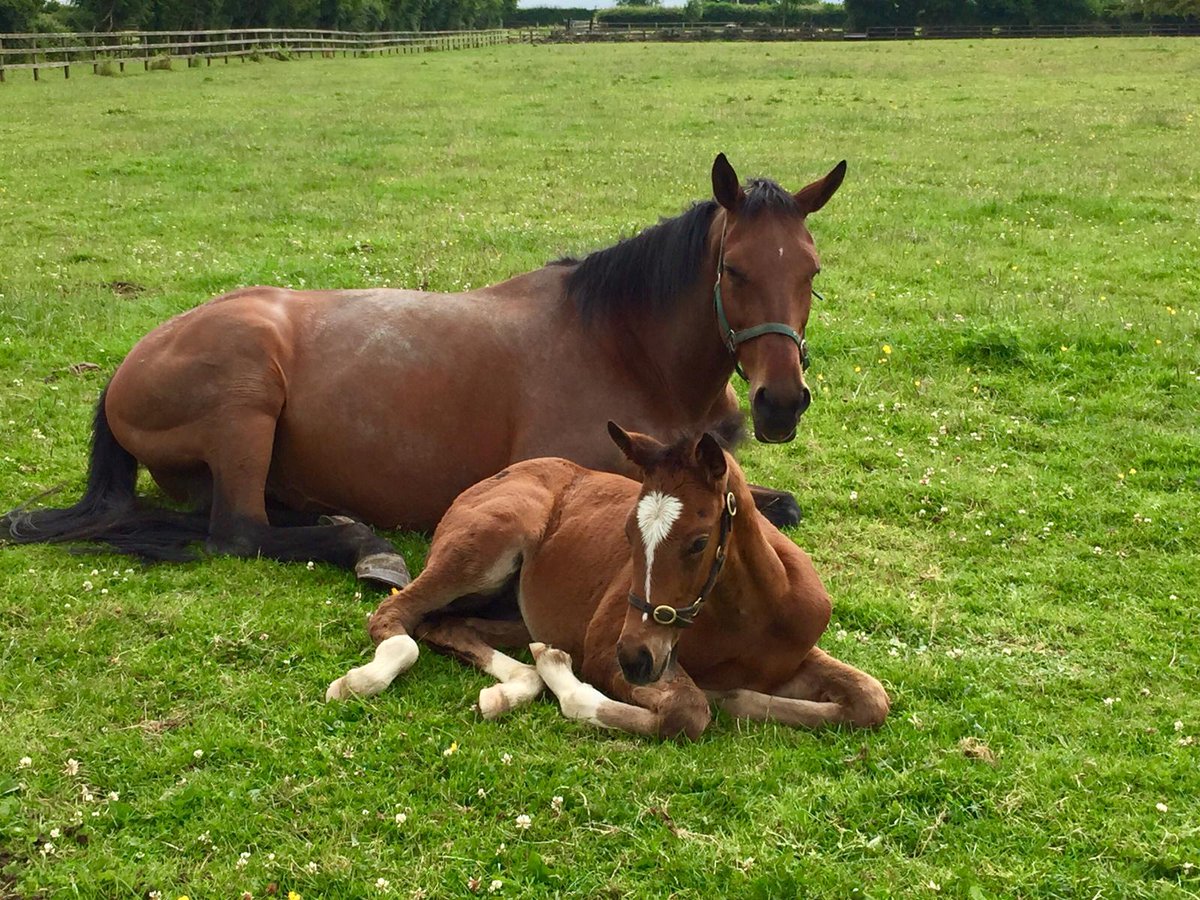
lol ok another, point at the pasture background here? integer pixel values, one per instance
(1003, 506)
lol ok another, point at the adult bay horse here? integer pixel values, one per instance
(383, 405)
(666, 594)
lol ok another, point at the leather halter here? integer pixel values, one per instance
(681, 618)
(732, 338)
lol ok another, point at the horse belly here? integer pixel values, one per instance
(389, 428)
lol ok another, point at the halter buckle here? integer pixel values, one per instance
(665, 615)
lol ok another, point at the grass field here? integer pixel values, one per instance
(1000, 476)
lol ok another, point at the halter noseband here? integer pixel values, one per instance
(681, 618)
(732, 338)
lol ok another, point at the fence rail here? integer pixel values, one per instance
(36, 52)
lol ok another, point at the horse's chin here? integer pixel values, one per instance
(773, 436)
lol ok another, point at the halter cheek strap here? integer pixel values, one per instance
(681, 618)
(732, 338)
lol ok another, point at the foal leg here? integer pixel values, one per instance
(824, 691)
(518, 683)
(472, 553)
(671, 707)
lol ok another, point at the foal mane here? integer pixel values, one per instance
(649, 272)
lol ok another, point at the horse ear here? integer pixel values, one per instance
(817, 194)
(726, 187)
(710, 455)
(639, 449)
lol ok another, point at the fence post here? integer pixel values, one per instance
(1, 62)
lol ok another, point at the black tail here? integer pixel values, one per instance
(109, 512)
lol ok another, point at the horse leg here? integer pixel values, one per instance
(239, 524)
(824, 691)
(518, 683)
(480, 562)
(671, 707)
(780, 507)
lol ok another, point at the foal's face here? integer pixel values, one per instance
(673, 532)
(770, 262)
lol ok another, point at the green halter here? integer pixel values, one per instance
(732, 338)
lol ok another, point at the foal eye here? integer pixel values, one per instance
(735, 274)
(698, 545)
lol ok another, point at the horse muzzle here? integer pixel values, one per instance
(776, 414)
(637, 664)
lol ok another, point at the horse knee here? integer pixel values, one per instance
(871, 706)
(685, 719)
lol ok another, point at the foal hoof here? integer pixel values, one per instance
(385, 568)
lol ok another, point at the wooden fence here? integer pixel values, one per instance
(120, 48)
(730, 31)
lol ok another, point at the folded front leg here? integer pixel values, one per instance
(671, 707)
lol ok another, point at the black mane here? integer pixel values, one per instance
(650, 271)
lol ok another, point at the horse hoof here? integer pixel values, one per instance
(386, 568)
(337, 691)
(782, 511)
(335, 520)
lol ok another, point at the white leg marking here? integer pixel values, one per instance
(656, 513)
(577, 699)
(519, 684)
(393, 656)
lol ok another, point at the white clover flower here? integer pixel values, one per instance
(481, 793)
(556, 803)
(1178, 727)
(25, 761)
(1161, 807)
(198, 754)
(496, 885)
(506, 759)
(401, 818)
(312, 867)
(114, 796)
(1109, 701)
(524, 821)
(55, 833)
(243, 859)
(155, 895)
(382, 884)
(72, 767)
(47, 849)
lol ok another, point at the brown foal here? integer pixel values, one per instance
(645, 603)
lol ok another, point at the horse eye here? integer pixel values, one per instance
(735, 274)
(698, 545)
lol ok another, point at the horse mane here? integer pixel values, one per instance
(649, 272)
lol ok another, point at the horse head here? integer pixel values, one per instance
(766, 262)
(678, 534)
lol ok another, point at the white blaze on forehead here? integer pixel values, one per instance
(656, 513)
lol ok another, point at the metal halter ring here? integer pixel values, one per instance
(665, 615)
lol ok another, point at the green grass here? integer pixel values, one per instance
(1004, 507)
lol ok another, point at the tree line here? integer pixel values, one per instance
(432, 15)
(198, 15)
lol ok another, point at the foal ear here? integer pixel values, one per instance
(817, 194)
(710, 455)
(639, 449)
(726, 187)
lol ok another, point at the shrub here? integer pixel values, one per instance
(162, 62)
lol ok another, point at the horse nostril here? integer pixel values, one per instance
(805, 400)
(636, 668)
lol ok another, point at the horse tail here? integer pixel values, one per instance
(109, 511)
